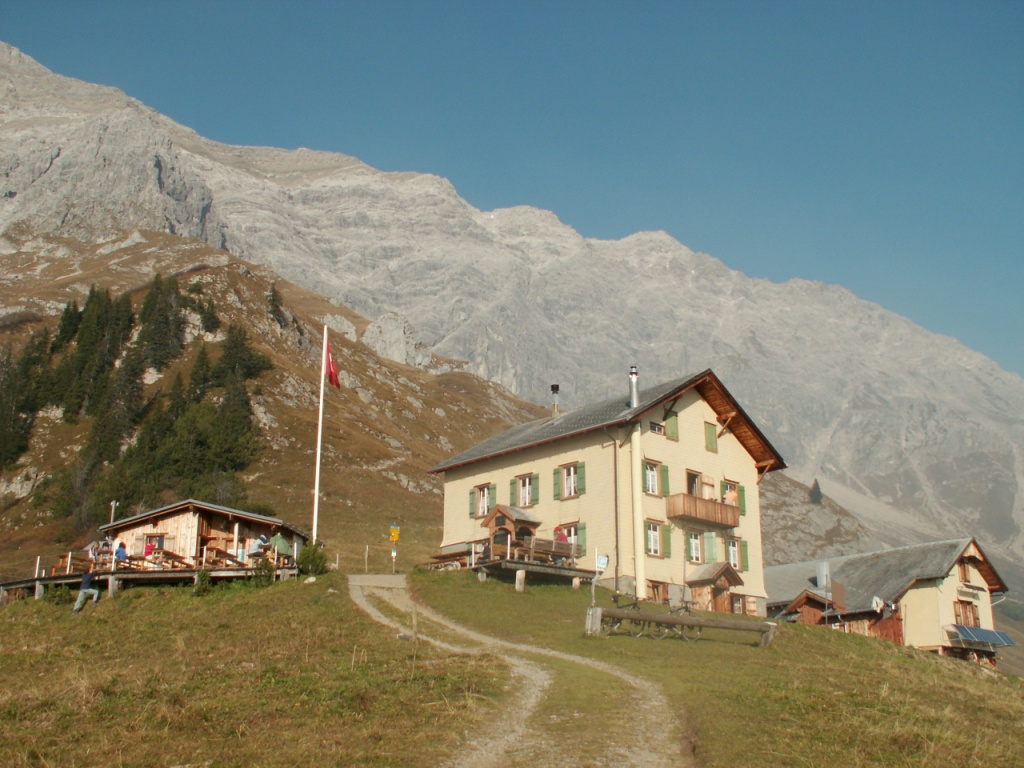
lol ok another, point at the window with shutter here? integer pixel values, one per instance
(744, 556)
(664, 480)
(694, 539)
(650, 477)
(513, 486)
(581, 475)
(534, 489)
(672, 426)
(556, 483)
(666, 541)
(581, 538)
(492, 496)
(472, 502)
(711, 437)
(653, 538)
(742, 499)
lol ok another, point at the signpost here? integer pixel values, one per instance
(395, 531)
(602, 565)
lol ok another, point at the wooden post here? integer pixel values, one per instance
(40, 590)
(520, 580)
(66, 572)
(576, 583)
(481, 575)
(38, 557)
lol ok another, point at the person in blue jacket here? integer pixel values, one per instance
(87, 590)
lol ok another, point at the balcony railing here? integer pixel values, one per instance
(705, 510)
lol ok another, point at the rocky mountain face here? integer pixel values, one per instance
(920, 436)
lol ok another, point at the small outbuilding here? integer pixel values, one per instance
(196, 534)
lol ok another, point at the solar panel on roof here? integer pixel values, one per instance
(979, 635)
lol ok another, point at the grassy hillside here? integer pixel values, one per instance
(295, 675)
(288, 675)
(814, 697)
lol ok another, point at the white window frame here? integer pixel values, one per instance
(483, 500)
(657, 428)
(695, 546)
(653, 538)
(652, 477)
(570, 485)
(732, 553)
(526, 491)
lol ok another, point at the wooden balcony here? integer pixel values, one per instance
(683, 505)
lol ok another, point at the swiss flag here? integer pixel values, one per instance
(332, 369)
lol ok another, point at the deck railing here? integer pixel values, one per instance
(704, 510)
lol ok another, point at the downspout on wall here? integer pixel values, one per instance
(637, 478)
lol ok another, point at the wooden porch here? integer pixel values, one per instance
(122, 578)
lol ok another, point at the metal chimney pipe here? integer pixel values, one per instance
(634, 387)
(554, 399)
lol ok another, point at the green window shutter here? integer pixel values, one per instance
(492, 496)
(664, 479)
(472, 502)
(666, 540)
(742, 499)
(556, 483)
(581, 478)
(672, 426)
(744, 556)
(535, 489)
(711, 437)
(512, 491)
(581, 538)
(710, 548)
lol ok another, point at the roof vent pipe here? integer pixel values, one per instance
(634, 387)
(554, 399)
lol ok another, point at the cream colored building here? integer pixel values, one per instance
(935, 596)
(663, 481)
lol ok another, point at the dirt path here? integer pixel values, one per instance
(653, 739)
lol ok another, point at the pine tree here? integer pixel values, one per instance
(815, 494)
(15, 423)
(238, 358)
(70, 319)
(274, 300)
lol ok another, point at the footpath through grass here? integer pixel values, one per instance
(814, 697)
(290, 675)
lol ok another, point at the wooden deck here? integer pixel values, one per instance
(125, 577)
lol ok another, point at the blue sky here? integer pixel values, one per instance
(875, 145)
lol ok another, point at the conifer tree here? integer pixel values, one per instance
(70, 319)
(815, 494)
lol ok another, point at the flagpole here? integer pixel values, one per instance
(319, 437)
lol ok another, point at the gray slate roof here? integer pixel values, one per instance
(887, 574)
(608, 413)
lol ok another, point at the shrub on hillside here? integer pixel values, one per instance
(312, 560)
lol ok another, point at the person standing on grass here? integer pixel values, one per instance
(86, 590)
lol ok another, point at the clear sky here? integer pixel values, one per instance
(876, 145)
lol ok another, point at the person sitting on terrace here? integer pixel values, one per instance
(121, 554)
(148, 551)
